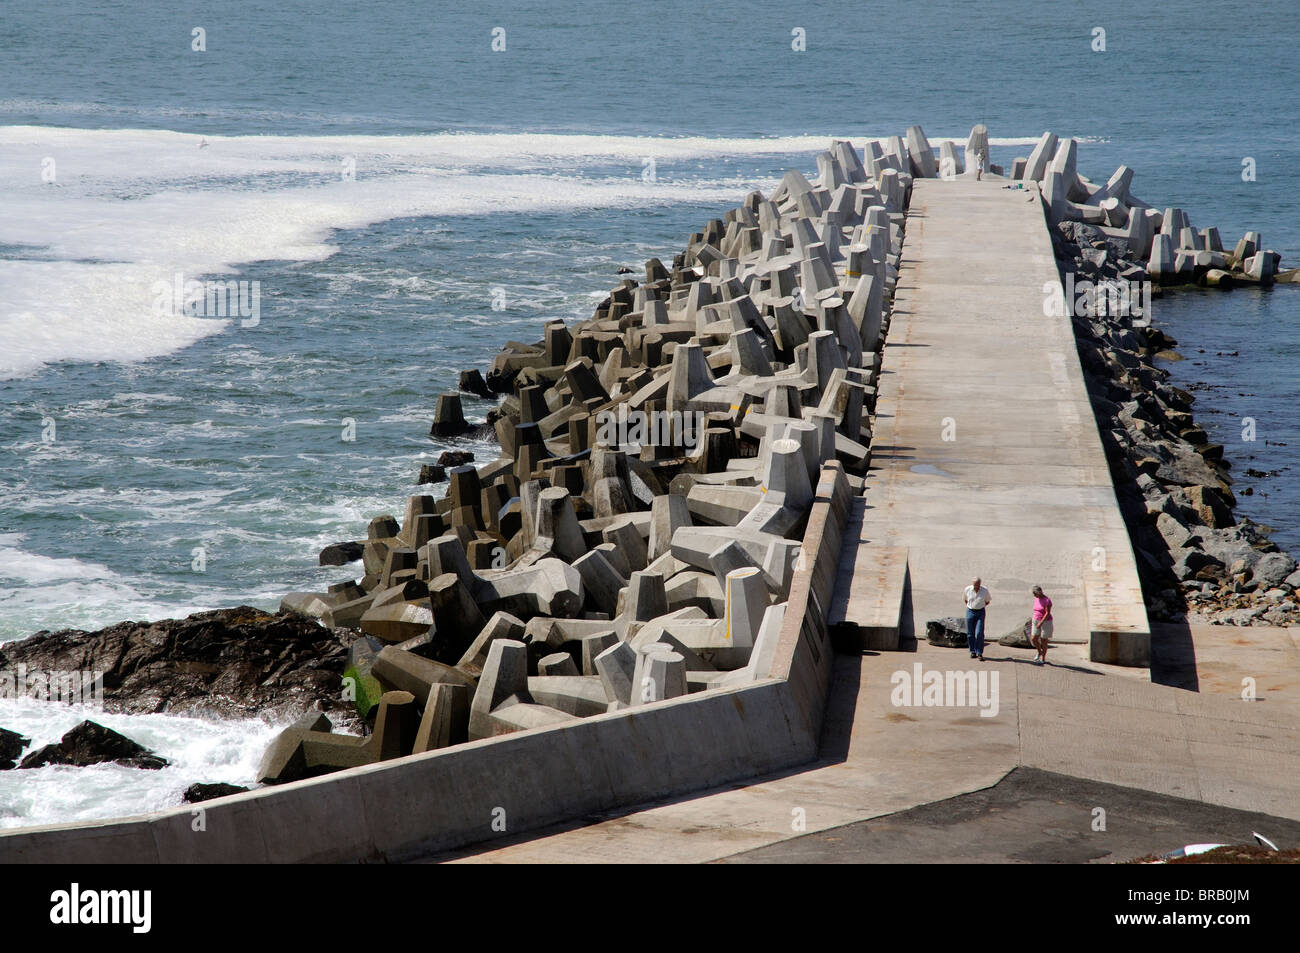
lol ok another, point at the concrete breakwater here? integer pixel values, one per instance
(637, 538)
(1116, 254)
(658, 624)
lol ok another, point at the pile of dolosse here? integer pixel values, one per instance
(1160, 246)
(637, 536)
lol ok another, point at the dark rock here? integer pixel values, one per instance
(231, 662)
(431, 473)
(1019, 636)
(91, 743)
(11, 746)
(500, 379)
(472, 382)
(207, 792)
(949, 632)
(339, 554)
(455, 458)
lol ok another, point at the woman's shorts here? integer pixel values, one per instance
(1043, 629)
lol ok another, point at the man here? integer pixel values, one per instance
(977, 598)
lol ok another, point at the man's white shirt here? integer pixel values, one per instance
(977, 600)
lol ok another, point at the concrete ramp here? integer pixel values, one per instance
(986, 459)
(867, 607)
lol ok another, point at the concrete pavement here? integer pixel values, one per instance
(985, 454)
(879, 759)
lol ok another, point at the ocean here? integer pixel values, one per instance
(400, 200)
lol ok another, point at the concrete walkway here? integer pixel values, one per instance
(879, 759)
(1022, 495)
(985, 454)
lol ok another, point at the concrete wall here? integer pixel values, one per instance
(448, 798)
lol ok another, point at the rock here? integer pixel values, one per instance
(431, 473)
(207, 792)
(340, 554)
(949, 631)
(472, 382)
(91, 743)
(1189, 563)
(11, 746)
(1273, 569)
(1210, 507)
(455, 458)
(1279, 616)
(1175, 534)
(1017, 637)
(231, 662)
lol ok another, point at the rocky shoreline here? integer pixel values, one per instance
(1197, 562)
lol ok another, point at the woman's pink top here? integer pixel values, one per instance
(1042, 608)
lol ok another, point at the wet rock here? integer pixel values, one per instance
(455, 458)
(207, 792)
(11, 746)
(231, 662)
(91, 743)
(431, 473)
(472, 382)
(340, 554)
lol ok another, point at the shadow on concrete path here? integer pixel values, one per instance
(1030, 816)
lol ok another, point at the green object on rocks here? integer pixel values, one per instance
(365, 687)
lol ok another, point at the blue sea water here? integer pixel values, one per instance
(152, 464)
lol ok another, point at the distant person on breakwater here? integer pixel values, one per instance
(977, 598)
(1040, 630)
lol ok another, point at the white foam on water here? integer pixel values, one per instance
(20, 568)
(44, 592)
(198, 749)
(129, 210)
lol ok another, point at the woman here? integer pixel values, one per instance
(1040, 632)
